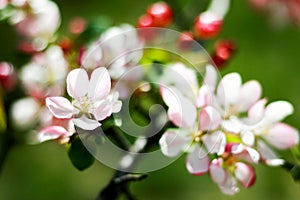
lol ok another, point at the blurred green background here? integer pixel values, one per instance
(269, 55)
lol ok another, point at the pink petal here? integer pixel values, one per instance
(245, 174)
(210, 118)
(52, 133)
(278, 110)
(85, 123)
(205, 96)
(77, 83)
(184, 115)
(249, 94)
(256, 112)
(216, 172)
(282, 136)
(215, 142)
(100, 84)
(229, 89)
(60, 107)
(244, 153)
(172, 143)
(197, 162)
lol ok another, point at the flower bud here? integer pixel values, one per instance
(8, 77)
(161, 13)
(145, 22)
(185, 40)
(207, 25)
(223, 52)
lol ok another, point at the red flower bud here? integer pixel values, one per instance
(8, 79)
(161, 13)
(223, 52)
(77, 25)
(207, 25)
(185, 40)
(145, 22)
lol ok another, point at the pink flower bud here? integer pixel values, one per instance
(207, 25)
(8, 78)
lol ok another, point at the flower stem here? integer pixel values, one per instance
(118, 184)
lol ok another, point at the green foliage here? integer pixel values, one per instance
(2, 117)
(95, 28)
(79, 155)
(295, 171)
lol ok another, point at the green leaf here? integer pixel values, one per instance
(79, 155)
(295, 171)
(2, 117)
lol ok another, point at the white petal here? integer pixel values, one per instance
(169, 95)
(268, 155)
(77, 83)
(244, 153)
(230, 185)
(215, 142)
(210, 78)
(249, 94)
(24, 112)
(182, 112)
(210, 118)
(60, 107)
(278, 110)
(91, 58)
(245, 174)
(85, 123)
(172, 143)
(185, 75)
(197, 162)
(256, 112)
(232, 126)
(205, 96)
(100, 84)
(103, 110)
(182, 78)
(52, 133)
(248, 138)
(184, 115)
(216, 172)
(229, 89)
(117, 106)
(282, 136)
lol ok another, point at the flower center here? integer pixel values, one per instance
(229, 161)
(230, 111)
(85, 104)
(197, 136)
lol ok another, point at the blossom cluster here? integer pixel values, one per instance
(48, 75)
(35, 20)
(225, 127)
